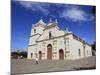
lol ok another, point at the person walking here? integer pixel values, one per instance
(36, 59)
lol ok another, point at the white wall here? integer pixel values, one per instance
(39, 30)
(88, 51)
(31, 49)
(34, 36)
(55, 33)
(75, 46)
(69, 39)
(32, 39)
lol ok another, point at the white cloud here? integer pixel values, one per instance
(26, 4)
(34, 6)
(76, 14)
(71, 12)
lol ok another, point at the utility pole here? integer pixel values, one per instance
(66, 30)
(65, 42)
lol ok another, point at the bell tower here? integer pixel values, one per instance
(36, 31)
(38, 27)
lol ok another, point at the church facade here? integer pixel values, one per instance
(49, 42)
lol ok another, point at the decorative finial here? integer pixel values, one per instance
(56, 21)
(50, 20)
(66, 29)
(41, 19)
(40, 22)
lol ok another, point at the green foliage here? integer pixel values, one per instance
(16, 54)
(94, 46)
(93, 49)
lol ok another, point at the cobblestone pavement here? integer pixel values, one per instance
(20, 66)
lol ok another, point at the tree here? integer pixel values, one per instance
(93, 48)
(94, 10)
(18, 54)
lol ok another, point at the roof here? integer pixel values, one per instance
(79, 39)
(50, 26)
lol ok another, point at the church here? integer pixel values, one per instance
(50, 42)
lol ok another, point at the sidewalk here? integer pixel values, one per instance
(20, 66)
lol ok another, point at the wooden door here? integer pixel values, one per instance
(49, 53)
(61, 54)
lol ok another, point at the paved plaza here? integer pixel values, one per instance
(20, 66)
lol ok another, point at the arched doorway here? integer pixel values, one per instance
(49, 51)
(40, 55)
(61, 54)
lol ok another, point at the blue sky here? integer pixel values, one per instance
(79, 19)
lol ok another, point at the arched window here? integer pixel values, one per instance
(49, 35)
(79, 52)
(40, 55)
(34, 30)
